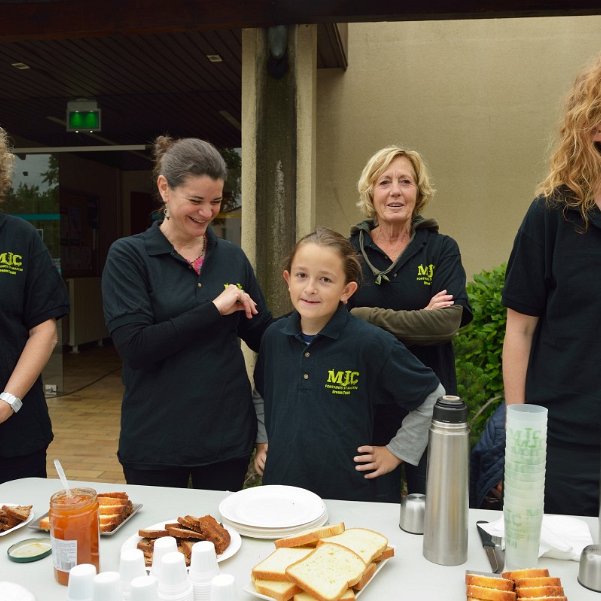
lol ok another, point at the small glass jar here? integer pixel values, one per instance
(74, 531)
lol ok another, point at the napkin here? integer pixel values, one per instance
(561, 536)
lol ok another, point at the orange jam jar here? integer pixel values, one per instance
(74, 531)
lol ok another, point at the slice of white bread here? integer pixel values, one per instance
(310, 537)
(327, 571)
(280, 591)
(386, 554)
(540, 581)
(349, 595)
(274, 566)
(489, 594)
(368, 544)
(525, 592)
(503, 584)
(526, 573)
(367, 576)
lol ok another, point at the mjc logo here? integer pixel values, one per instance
(343, 378)
(425, 274)
(11, 262)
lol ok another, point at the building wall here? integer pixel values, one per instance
(479, 99)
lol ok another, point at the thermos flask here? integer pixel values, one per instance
(447, 498)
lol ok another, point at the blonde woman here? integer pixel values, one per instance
(552, 349)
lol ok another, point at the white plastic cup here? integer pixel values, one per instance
(162, 546)
(81, 582)
(107, 587)
(174, 584)
(203, 567)
(223, 588)
(131, 565)
(144, 588)
(522, 536)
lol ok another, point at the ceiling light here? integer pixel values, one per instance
(20, 66)
(214, 58)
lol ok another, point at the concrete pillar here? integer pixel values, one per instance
(278, 154)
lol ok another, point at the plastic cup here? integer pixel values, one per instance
(526, 415)
(81, 582)
(522, 537)
(223, 588)
(144, 588)
(162, 546)
(173, 582)
(107, 587)
(203, 567)
(131, 565)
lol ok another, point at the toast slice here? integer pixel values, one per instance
(368, 544)
(274, 566)
(327, 571)
(525, 592)
(540, 581)
(526, 573)
(503, 584)
(489, 594)
(19, 512)
(278, 590)
(309, 538)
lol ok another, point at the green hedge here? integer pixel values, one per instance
(478, 349)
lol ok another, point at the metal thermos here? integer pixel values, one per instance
(447, 497)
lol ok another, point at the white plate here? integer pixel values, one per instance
(250, 587)
(3, 533)
(272, 506)
(271, 533)
(232, 549)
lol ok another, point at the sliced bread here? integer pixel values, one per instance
(540, 581)
(525, 592)
(310, 537)
(503, 584)
(370, 570)
(280, 591)
(526, 573)
(349, 595)
(327, 571)
(489, 594)
(274, 566)
(366, 543)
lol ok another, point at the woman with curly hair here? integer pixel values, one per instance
(553, 297)
(33, 296)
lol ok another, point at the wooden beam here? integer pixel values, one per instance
(56, 19)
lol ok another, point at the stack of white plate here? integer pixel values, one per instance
(273, 511)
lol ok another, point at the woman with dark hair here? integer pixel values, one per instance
(33, 296)
(553, 297)
(177, 299)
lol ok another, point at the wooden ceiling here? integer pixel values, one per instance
(146, 61)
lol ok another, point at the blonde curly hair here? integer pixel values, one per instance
(575, 163)
(378, 163)
(6, 163)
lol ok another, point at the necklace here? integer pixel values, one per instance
(202, 251)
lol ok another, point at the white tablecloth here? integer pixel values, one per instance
(407, 576)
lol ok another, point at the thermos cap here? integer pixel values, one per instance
(450, 409)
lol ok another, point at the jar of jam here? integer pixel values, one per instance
(74, 530)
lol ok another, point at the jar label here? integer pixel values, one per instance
(64, 554)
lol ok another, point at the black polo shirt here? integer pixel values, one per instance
(31, 292)
(554, 273)
(187, 396)
(319, 399)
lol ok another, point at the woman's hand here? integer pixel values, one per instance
(440, 300)
(234, 299)
(260, 457)
(6, 411)
(379, 459)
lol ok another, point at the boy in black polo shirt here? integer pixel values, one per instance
(321, 371)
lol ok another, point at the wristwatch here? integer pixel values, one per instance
(12, 400)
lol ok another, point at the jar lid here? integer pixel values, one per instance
(450, 409)
(30, 549)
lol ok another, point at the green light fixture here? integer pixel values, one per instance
(83, 115)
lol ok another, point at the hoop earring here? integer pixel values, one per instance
(166, 212)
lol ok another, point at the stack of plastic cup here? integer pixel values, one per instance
(223, 588)
(162, 546)
(524, 484)
(107, 587)
(203, 567)
(131, 565)
(174, 584)
(144, 588)
(81, 582)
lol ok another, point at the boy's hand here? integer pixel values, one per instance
(260, 457)
(378, 459)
